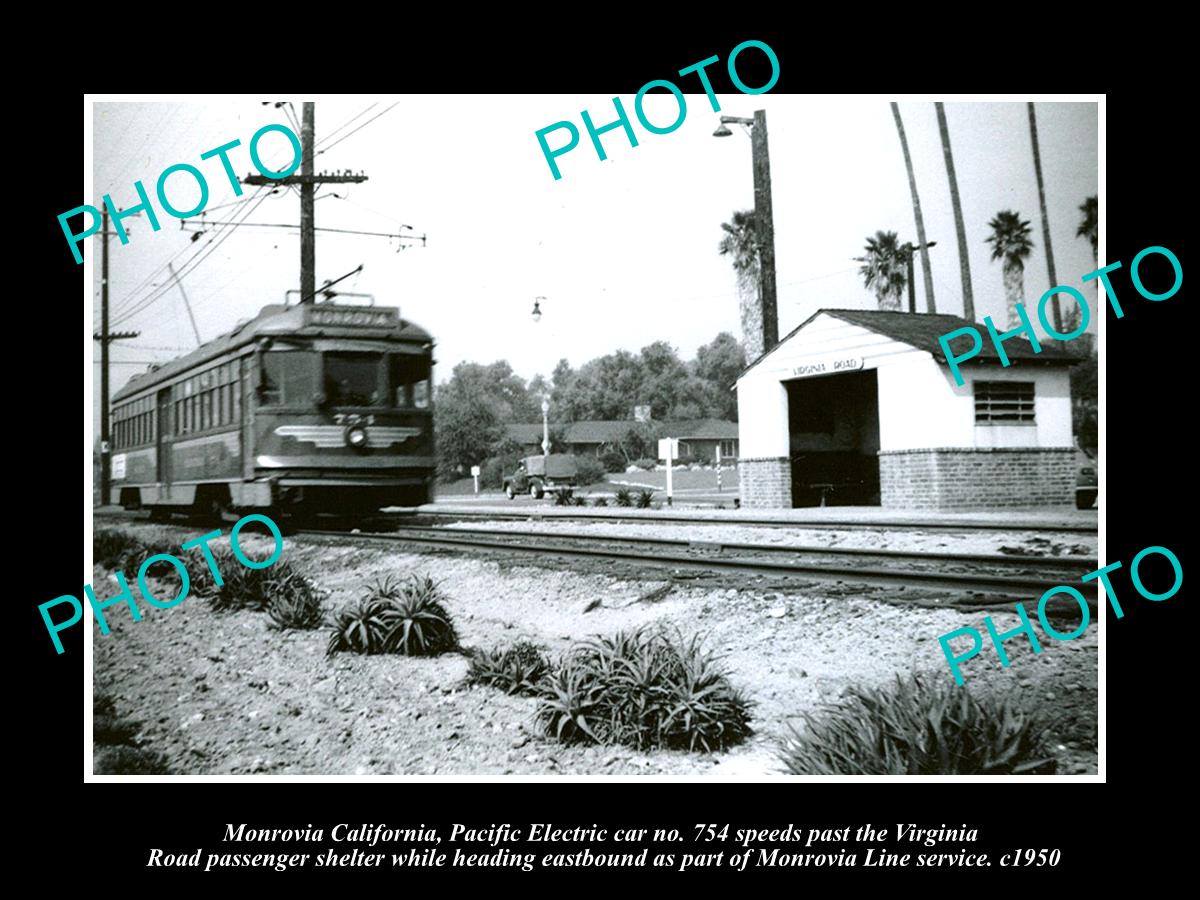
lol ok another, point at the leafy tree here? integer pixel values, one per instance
(1011, 243)
(1089, 225)
(472, 409)
(718, 364)
(1085, 402)
(885, 269)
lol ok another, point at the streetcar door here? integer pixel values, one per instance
(163, 449)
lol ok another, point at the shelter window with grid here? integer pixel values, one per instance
(1004, 402)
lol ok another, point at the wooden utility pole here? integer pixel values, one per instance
(105, 337)
(307, 181)
(765, 222)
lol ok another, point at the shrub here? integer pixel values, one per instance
(124, 760)
(599, 501)
(646, 463)
(515, 670)
(294, 602)
(393, 616)
(579, 501)
(613, 460)
(918, 727)
(623, 497)
(110, 547)
(645, 689)
(644, 498)
(588, 471)
(565, 497)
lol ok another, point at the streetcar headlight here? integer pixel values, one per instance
(356, 436)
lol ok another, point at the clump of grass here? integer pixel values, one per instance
(646, 689)
(113, 742)
(599, 501)
(125, 760)
(393, 616)
(516, 669)
(919, 727)
(643, 499)
(623, 497)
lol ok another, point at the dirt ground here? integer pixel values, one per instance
(226, 693)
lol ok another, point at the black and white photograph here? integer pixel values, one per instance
(729, 435)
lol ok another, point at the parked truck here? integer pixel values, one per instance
(541, 475)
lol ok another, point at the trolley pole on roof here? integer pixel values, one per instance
(307, 181)
(105, 337)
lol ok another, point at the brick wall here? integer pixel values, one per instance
(765, 483)
(975, 478)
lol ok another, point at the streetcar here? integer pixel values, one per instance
(306, 408)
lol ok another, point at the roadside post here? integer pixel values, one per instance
(475, 475)
(718, 468)
(667, 449)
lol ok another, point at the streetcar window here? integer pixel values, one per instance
(223, 405)
(354, 379)
(206, 410)
(288, 378)
(410, 381)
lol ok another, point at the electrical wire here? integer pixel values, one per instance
(331, 134)
(358, 129)
(191, 265)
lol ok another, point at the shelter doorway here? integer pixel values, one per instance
(833, 424)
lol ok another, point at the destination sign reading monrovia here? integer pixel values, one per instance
(827, 366)
(379, 318)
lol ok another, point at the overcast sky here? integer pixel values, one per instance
(624, 250)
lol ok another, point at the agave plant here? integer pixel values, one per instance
(569, 698)
(623, 497)
(564, 497)
(360, 627)
(396, 617)
(919, 727)
(293, 602)
(111, 546)
(645, 688)
(644, 498)
(599, 501)
(515, 670)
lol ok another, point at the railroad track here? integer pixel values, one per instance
(984, 578)
(552, 514)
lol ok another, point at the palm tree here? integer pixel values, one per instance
(964, 263)
(912, 186)
(740, 243)
(1037, 167)
(885, 269)
(1089, 224)
(1011, 242)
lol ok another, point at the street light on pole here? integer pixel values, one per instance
(763, 217)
